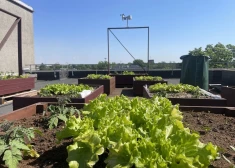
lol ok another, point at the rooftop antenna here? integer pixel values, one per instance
(129, 17)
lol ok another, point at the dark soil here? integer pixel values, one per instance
(215, 128)
(181, 95)
(52, 154)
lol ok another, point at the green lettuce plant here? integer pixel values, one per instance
(136, 133)
(148, 78)
(70, 90)
(98, 76)
(163, 89)
(128, 73)
(10, 75)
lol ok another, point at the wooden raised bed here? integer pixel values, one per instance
(227, 111)
(125, 80)
(138, 86)
(36, 108)
(229, 94)
(33, 109)
(11, 86)
(23, 101)
(191, 101)
(109, 84)
(53, 155)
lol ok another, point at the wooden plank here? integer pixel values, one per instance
(8, 98)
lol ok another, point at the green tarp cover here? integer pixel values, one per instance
(195, 71)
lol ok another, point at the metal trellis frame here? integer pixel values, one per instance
(120, 28)
(4, 40)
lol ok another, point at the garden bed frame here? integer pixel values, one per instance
(125, 80)
(191, 101)
(11, 86)
(138, 85)
(23, 101)
(37, 108)
(227, 111)
(109, 84)
(229, 94)
(33, 109)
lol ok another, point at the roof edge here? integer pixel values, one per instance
(22, 4)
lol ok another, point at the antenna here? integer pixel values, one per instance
(129, 17)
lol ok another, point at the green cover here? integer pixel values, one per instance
(195, 71)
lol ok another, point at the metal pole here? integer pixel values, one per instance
(20, 49)
(108, 49)
(148, 49)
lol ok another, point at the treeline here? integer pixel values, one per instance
(102, 65)
(221, 56)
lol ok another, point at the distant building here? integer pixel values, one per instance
(9, 52)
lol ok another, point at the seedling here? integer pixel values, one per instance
(60, 112)
(207, 129)
(12, 142)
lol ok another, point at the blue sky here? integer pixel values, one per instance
(75, 31)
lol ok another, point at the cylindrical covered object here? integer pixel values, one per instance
(195, 71)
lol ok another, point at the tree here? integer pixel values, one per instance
(42, 67)
(57, 66)
(197, 52)
(102, 65)
(221, 56)
(139, 62)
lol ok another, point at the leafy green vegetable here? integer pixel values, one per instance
(31, 152)
(136, 132)
(164, 88)
(12, 142)
(59, 113)
(63, 89)
(10, 75)
(148, 78)
(98, 76)
(128, 73)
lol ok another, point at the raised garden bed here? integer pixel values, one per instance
(55, 155)
(229, 94)
(185, 99)
(125, 79)
(51, 153)
(33, 109)
(139, 83)
(23, 101)
(227, 111)
(11, 86)
(108, 82)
